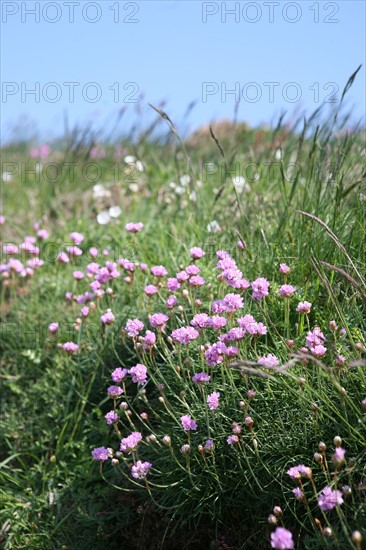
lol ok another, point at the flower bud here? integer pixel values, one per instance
(356, 537)
(359, 347)
(114, 462)
(318, 457)
(277, 510)
(167, 440)
(327, 532)
(123, 406)
(337, 441)
(185, 449)
(272, 520)
(322, 447)
(161, 399)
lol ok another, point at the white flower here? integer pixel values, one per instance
(185, 180)
(240, 184)
(103, 218)
(278, 154)
(99, 191)
(179, 190)
(193, 196)
(139, 166)
(129, 159)
(213, 227)
(133, 187)
(172, 185)
(115, 211)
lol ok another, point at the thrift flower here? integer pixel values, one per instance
(107, 318)
(134, 227)
(139, 373)
(53, 327)
(171, 302)
(338, 456)
(140, 469)
(158, 320)
(185, 335)
(100, 453)
(268, 361)
(118, 375)
(304, 307)
(209, 446)
(130, 443)
(201, 378)
(281, 539)
(150, 290)
(77, 238)
(260, 288)
(159, 271)
(111, 417)
(233, 302)
(213, 400)
(329, 499)
(188, 423)
(196, 253)
(200, 321)
(287, 291)
(70, 347)
(285, 269)
(134, 327)
(232, 440)
(114, 392)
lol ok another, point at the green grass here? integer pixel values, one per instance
(52, 406)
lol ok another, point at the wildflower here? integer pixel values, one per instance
(268, 361)
(241, 245)
(197, 281)
(304, 471)
(182, 276)
(200, 321)
(298, 493)
(209, 446)
(149, 340)
(114, 392)
(111, 417)
(287, 291)
(215, 354)
(77, 238)
(74, 251)
(213, 400)
(315, 338)
(232, 440)
(139, 373)
(319, 350)
(173, 284)
(118, 375)
(159, 271)
(107, 318)
(196, 253)
(100, 453)
(93, 252)
(188, 423)
(201, 378)
(281, 539)
(150, 290)
(171, 302)
(158, 320)
(63, 258)
(70, 347)
(218, 306)
(192, 270)
(134, 327)
(338, 456)
(217, 322)
(304, 307)
(233, 302)
(231, 351)
(85, 311)
(294, 473)
(340, 360)
(53, 327)
(185, 449)
(260, 288)
(134, 227)
(140, 469)
(329, 499)
(251, 394)
(130, 443)
(10, 249)
(185, 335)
(285, 269)
(249, 421)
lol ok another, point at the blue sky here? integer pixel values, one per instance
(276, 55)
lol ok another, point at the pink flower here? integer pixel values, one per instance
(118, 375)
(140, 469)
(304, 307)
(196, 253)
(173, 284)
(338, 456)
(315, 338)
(281, 539)
(130, 443)
(215, 354)
(111, 417)
(188, 423)
(200, 321)
(107, 318)
(319, 350)
(185, 335)
(285, 269)
(233, 302)
(100, 453)
(171, 302)
(10, 249)
(159, 271)
(2, 220)
(139, 374)
(114, 392)
(63, 258)
(182, 276)
(192, 270)
(197, 281)
(287, 291)
(329, 499)
(150, 290)
(134, 327)
(158, 320)
(201, 378)
(77, 238)
(70, 347)
(134, 227)
(268, 361)
(149, 340)
(93, 252)
(213, 400)
(294, 472)
(218, 322)
(298, 493)
(218, 306)
(74, 251)
(53, 327)
(78, 275)
(42, 234)
(260, 288)
(232, 440)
